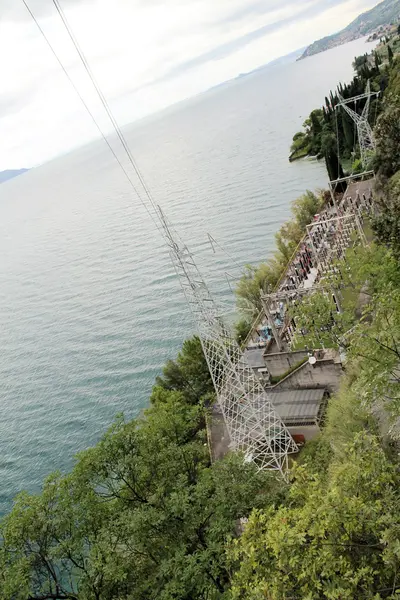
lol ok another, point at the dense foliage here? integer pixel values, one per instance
(145, 515)
(355, 286)
(188, 374)
(387, 164)
(142, 515)
(336, 535)
(330, 133)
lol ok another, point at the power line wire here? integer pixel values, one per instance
(104, 102)
(213, 242)
(155, 215)
(82, 100)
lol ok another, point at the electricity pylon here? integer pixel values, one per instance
(364, 131)
(253, 425)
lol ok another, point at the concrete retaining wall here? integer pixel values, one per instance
(281, 362)
(325, 373)
(309, 431)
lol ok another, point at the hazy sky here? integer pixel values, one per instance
(146, 54)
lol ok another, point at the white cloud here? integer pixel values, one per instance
(138, 51)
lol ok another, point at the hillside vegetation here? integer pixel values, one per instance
(384, 13)
(329, 132)
(146, 515)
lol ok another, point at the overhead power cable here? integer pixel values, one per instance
(84, 103)
(213, 242)
(154, 216)
(260, 433)
(154, 206)
(104, 102)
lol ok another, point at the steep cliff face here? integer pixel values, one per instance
(383, 14)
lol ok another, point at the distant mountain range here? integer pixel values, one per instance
(384, 13)
(10, 173)
(282, 60)
(288, 58)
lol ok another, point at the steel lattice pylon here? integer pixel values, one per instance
(253, 425)
(252, 422)
(364, 130)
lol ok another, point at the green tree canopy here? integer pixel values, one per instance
(142, 515)
(329, 133)
(188, 374)
(333, 539)
(304, 209)
(387, 221)
(264, 277)
(376, 339)
(387, 165)
(358, 282)
(242, 330)
(390, 55)
(387, 133)
(318, 324)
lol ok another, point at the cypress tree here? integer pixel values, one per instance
(390, 55)
(315, 123)
(348, 130)
(334, 168)
(328, 146)
(316, 129)
(378, 60)
(328, 106)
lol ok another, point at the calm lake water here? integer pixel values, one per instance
(89, 306)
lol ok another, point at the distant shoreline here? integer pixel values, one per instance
(11, 173)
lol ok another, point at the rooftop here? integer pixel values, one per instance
(298, 405)
(255, 357)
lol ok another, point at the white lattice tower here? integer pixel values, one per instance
(253, 425)
(252, 422)
(364, 131)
